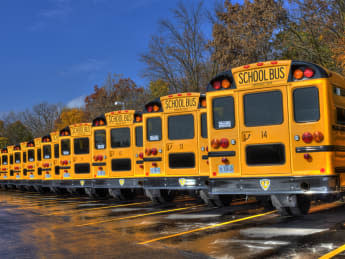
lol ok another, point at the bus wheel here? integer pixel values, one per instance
(302, 206)
(266, 202)
(91, 192)
(215, 200)
(118, 194)
(160, 196)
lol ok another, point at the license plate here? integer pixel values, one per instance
(17, 176)
(155, 170)
(66, 175)
(5, 176)
(47, 176)
(225, 169)
(100, 173)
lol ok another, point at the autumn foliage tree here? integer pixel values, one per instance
(70, 116)
(123, 91)
(158, 88)
(244, 33)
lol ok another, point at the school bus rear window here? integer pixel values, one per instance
(17, 158)
(100, 140)
(223, 112)
(47, 151)
(139, 136)
(120, 138)
(4, 160)
(264, 108)
(81, 146)
(56, 150)
(306, 104)
(203, 122)
(181, 127)
(65, 147)
(24, 157)
(39, 154)
(31, 155)
(154, 129)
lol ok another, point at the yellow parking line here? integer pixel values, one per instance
(333, 253)
(57, 204)
(99, 208)
(204, 228)
(137, 216)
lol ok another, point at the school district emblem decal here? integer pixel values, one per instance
(265, 184)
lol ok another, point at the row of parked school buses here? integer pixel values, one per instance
(274, 130)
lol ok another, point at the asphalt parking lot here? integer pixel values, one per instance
(34, 225)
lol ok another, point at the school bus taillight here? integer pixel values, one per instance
(217, 85)
(224, 143)
(299, 74)
(147, 151)
(308, 72)
(318, 136)
(154, 151)
(307, 137)
(226, 83)
(215, 143)
(141, 155)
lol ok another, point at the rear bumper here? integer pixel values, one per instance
(75, 183)
(176, 183)
(118, 183)
(276, 185)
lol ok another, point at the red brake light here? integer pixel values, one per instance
(308, 72)
(307, 137)
(141, 155)
(154, 151)
(217, 85)
(224, 142)
(147, 151)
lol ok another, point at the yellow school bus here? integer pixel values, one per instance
(30, 163)
(276, 130)
(4, 166)
(175, 145)
(23, 169)
(76, 157)
(17, 167)
(54, 181)
(117, 153)
(36, 179)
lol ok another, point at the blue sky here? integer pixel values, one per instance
(57, 50)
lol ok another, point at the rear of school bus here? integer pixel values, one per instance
(124, 169)
(11, 175)
(36, 180)
(80, 169)
(276, 115)
(23, 171)
(17, 165)
(65, 145)
(53, 183)
(175, 152)
(30, 163)
(47, 160)
(4, 166)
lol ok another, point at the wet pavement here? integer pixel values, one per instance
(36, 225)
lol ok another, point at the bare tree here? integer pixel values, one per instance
(178, 53)
(40, 119)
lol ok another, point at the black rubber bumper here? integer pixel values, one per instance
(176, 183)
(118, 183)
(275, 185)
(75, 183)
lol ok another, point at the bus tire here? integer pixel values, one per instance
(303, 206)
